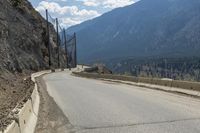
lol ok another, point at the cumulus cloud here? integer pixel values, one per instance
(69, 15)
(58, 0)
(117, 3)
(93, 3)
(69, 21)
(108, 3)
(80, 11)
(53, 7)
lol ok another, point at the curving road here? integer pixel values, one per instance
(94, 106)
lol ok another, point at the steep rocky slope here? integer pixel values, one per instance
(23, 49)
(22, 37)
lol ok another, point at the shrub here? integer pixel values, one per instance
(16, 3)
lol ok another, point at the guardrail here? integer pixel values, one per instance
(154, 81)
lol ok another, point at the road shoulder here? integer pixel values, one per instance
(51, 119)
(179, 91)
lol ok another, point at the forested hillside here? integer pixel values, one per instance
(164, 28)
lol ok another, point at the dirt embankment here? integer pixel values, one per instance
(15, 90)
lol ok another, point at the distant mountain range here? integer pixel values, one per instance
(148, 28)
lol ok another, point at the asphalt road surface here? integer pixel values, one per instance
(94, 106)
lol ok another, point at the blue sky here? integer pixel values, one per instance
(72, 12)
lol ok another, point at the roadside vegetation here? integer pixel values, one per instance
(173, 68)
(16, 3)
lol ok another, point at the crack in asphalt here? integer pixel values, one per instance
(137, 124)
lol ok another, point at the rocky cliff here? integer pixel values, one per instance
(22, 37)
(23, 49)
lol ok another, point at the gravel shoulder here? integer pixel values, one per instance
(51, 119)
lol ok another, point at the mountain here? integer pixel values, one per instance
(148, 28)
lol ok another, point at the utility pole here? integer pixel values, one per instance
(48, 39)
(58, 43)
(75, 50)
(66, 48)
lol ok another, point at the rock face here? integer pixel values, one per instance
(164, 28)
(98, 68)
(23, 37)
(23, 49)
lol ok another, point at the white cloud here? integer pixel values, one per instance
(92, 3)
(79, 17)
(58, 0)
(68, 15)
(117, 3)
(71, 15)
(108, 3)
(86, 13)
(69, 22)
(54, 7)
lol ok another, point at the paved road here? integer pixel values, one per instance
(94, 106)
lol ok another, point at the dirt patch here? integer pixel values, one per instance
(15, 90)
(51, 119)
